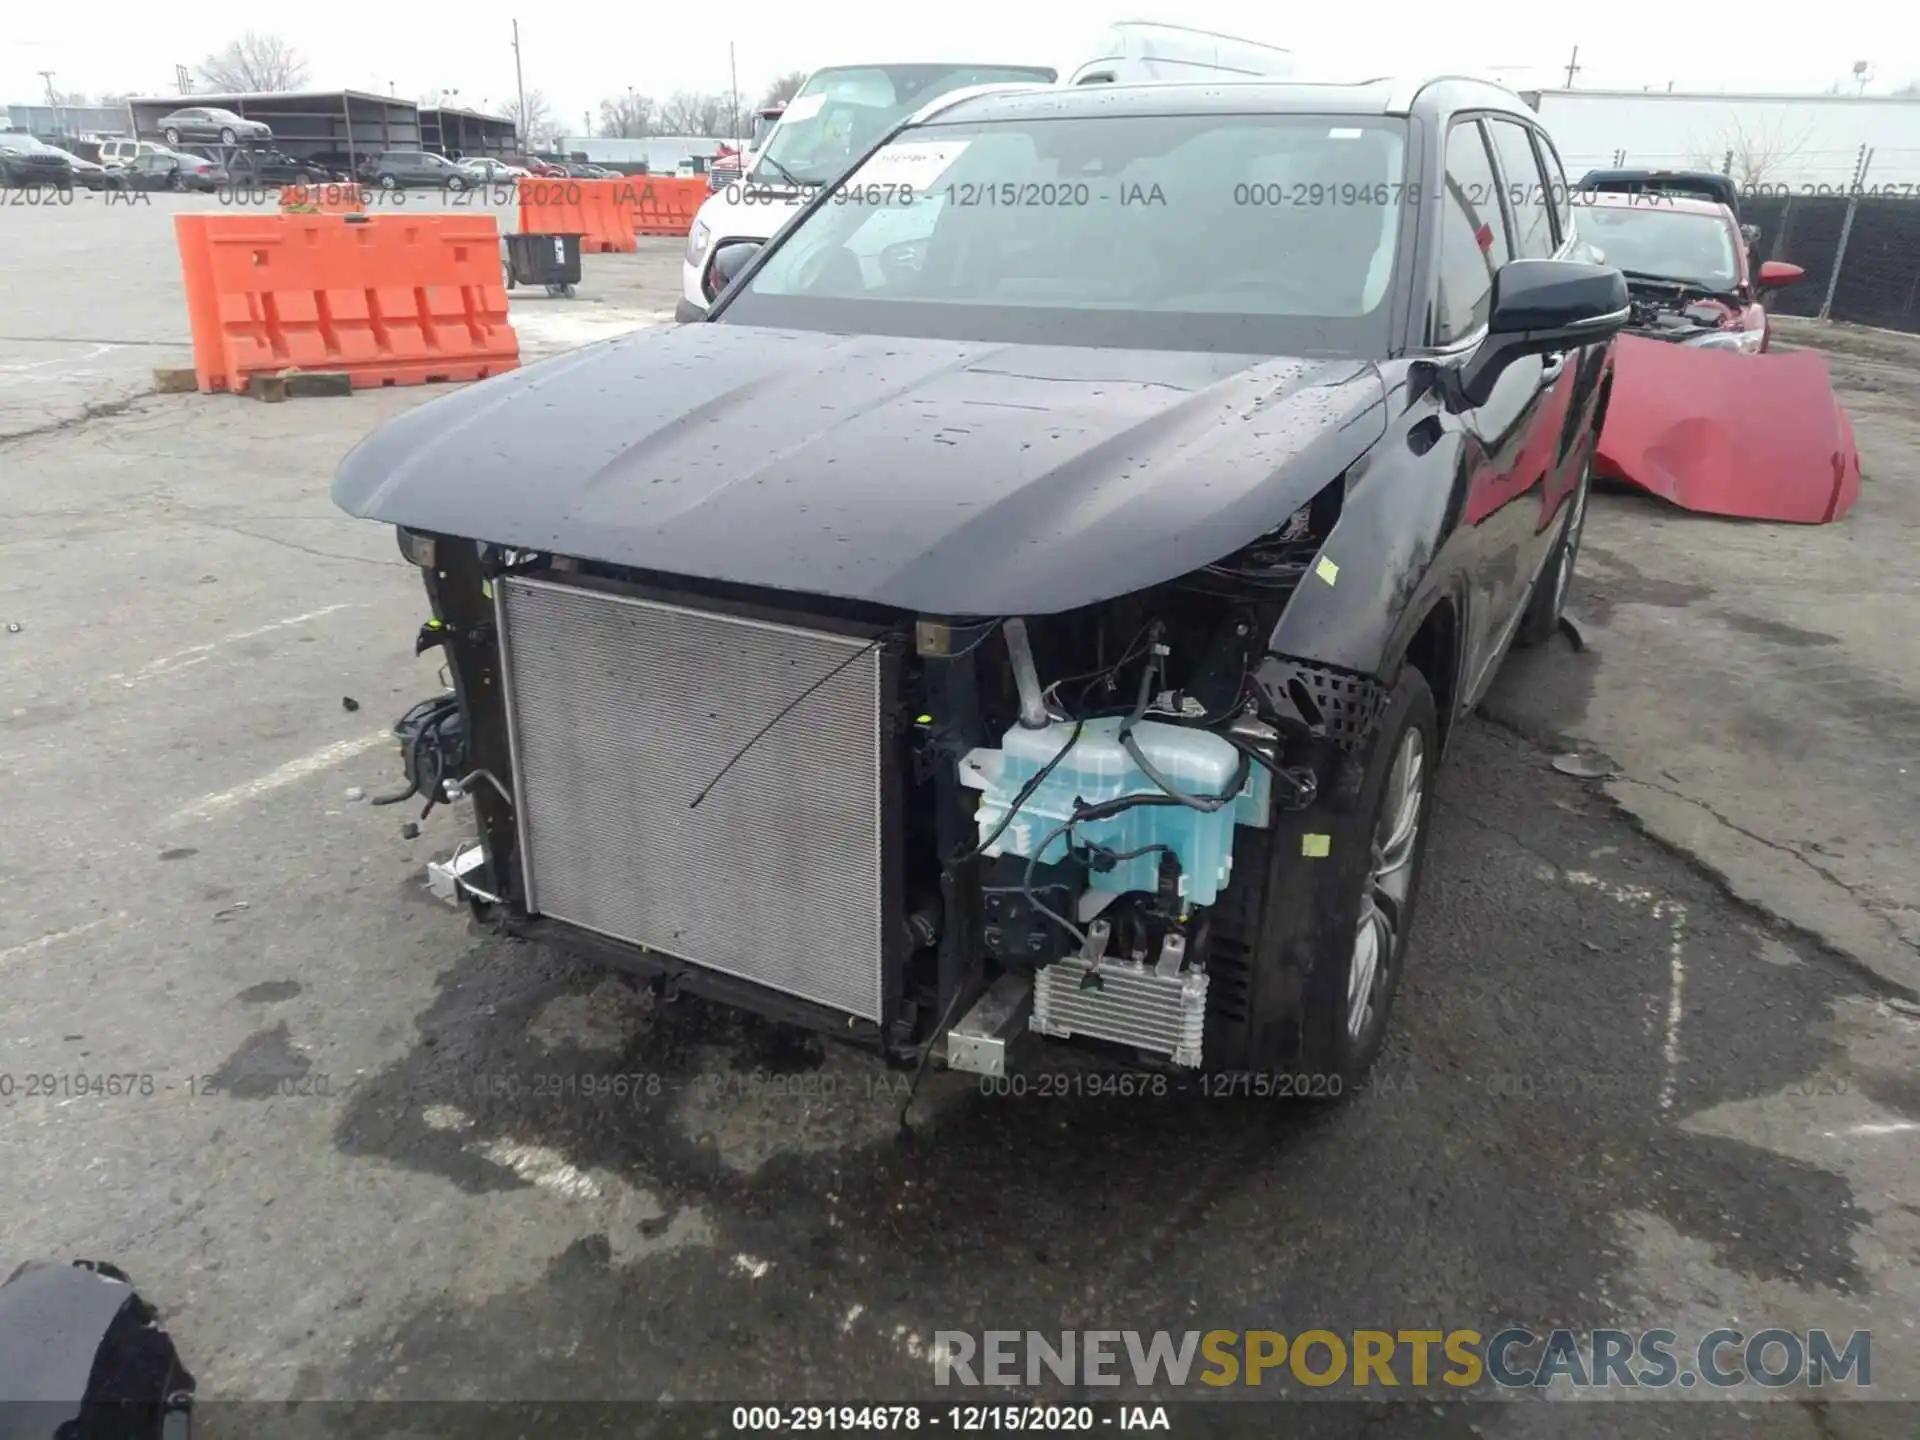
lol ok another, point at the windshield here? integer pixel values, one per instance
(1255, 234)
(1653, 238)
(839, 113)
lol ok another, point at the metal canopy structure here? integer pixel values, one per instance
(456, 133)
(351, 123)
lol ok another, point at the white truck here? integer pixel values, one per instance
(830, 122)
(844, 109)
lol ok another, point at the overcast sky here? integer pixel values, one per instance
(579, 55)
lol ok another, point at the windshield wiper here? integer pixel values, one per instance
(785, 174)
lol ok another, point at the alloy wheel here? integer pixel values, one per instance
(1383, 904)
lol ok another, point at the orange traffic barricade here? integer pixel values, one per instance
(591, 209)
(666, 205)
(328, 199)
(384, 299)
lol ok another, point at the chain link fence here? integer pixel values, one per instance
(1861, 254)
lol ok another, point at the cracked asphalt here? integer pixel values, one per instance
(1653, 1064)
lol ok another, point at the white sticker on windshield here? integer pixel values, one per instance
(918, 166)
(803, 107)
(1345, 134)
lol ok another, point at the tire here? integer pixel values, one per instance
(227, 137)
(1548, 602)
(387, 182)
(455, 184)
(172, 137)
(1289, 954)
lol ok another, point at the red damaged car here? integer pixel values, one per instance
(1703, 413)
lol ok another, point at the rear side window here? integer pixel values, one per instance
(1527, 196)
(1473, 237)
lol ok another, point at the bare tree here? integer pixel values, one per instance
(689, 112)
(533, 120)
(1912, 87)
(783, 89)
(254, 63)
(629, 117)
(1751, 151)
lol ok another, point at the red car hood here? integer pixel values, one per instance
(1757, 436)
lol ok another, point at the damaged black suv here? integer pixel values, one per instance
(1038, 596)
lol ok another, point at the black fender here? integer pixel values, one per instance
(82, 1354)
(1391, 557)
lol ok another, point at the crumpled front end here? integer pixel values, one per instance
(1759, 437)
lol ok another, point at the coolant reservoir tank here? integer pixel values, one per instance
(1098, 768)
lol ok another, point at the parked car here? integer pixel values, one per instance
(1119, 712)
(27, 163)
(122, 152)
(489, 171)
(208, 125)
(89, 175)
(275, 167)
(1687, 268)
(417, 169)
(1704, 413)
(591, 172)
(168, 170)
(339, 165)
(835, 117)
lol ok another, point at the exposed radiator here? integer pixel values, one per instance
(621, 710)
(1131, 1005)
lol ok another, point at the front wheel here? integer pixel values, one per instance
(1548, 602)
(1312, 959)
(227, 137)
(456, 185)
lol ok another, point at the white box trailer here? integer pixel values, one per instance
(1810, 144)
(1139, 50)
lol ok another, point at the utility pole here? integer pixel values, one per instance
(1573, 66)
(733, 76)
(519, 85)
(53, 99)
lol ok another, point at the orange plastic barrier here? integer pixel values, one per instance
(388, 299)
(666, 204)
(592, 209)
(330, 199)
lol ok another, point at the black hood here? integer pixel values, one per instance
(935, 476)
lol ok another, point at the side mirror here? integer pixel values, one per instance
(1775, 273)
(728, 261)
(1541, 306)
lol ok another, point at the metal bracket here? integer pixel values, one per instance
(978, 1044)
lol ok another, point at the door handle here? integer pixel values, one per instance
(1555, 363)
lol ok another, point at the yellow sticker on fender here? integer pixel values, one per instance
(1327, 570)
(1316, 847)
